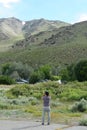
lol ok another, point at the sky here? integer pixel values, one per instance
(70, 11)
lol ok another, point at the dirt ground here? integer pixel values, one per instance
(33, 125)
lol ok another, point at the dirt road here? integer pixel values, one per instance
(33, 125)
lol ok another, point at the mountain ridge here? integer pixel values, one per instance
(40, 25)
(12, 27)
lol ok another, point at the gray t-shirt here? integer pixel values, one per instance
(46, 101)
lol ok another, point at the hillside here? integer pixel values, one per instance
(13, 30)
(56, 47)
(76, 33)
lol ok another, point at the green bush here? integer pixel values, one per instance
(6, 80)
(5, 106)
(22, 90)
(73, 92)
(55, 104)
(34, 102)
(55, 78)
(80, 106)
(83, 122)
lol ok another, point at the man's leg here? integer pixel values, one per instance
(43, 116)
(48, 117)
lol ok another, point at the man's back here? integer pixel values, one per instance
(46, 101)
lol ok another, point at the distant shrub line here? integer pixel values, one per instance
(18, 70)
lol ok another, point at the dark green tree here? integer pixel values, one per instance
(64, 75)
(6, 68)
(81, 70)
(6, 80)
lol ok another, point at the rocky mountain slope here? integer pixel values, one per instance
(12, 27)
(40, 25)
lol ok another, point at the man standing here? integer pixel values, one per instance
(46, 107)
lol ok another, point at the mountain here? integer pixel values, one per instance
(72, 34)
(13, 30)
(10, 27)
(62, 46)
(39, 25)
(55, 46)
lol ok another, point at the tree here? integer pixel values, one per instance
(81, 70)
(35, 77)
(22, 70)
(46, 70)
(5, 69)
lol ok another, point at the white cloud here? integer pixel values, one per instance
(7, 3)
(82, 17)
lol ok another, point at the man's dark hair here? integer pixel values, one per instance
(47, 93)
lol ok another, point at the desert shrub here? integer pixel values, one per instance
(83, 122)
(19, 90)
(34, 102)
(80, 106)
(15, 102)
(21, 100)
(31, 98)
(70, 94)
(37, 95)
(73, 92)
(5, 106)
(6, 80)
(55, 104)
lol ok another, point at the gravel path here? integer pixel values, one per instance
(32, 125)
